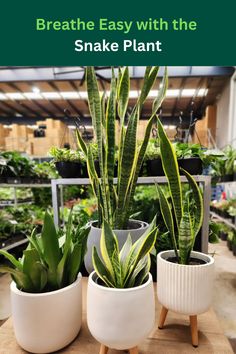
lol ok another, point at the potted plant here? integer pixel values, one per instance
(234, 243)
(68, 162)
(46, 291)
(115, 200)
(230, 240)
(120, 298)
(185, 277)
(189, 157)
(153, 159)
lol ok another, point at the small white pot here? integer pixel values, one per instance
(186, 289)
(47, 322)
(120, 318)
(95, 235)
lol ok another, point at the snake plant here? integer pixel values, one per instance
(49, 262)
(182, 224)
(115, 202)
(130, 266)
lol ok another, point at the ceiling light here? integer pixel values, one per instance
(18, 115)
(3, 97)
(33, 95)
(70, 95)
(51, 95)
(15, 96)
(35, 89)
(188, 92)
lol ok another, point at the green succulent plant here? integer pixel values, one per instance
(50, 262)
(130, 266)
(182, 224)
(115, 201)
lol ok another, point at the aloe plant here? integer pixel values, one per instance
(115, 202)
(182, 224)
(50, 262)
(130, 266)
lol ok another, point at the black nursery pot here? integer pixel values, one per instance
(192, 165)
(223, 236)
(227, 178)
(229, 244)
(68, 169)
(13, 180)
(234, 249)
(154, 168)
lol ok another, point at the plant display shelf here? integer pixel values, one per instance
(205, 181)
(175, 338)
(22, 185)
(15, 244)
(225, 221)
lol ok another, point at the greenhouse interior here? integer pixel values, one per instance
(118, 209)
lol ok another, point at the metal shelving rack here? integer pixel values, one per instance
(57, 184)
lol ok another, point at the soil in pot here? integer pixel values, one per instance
(154, 168)
(192, 165)
(68, 169)
(192, 261)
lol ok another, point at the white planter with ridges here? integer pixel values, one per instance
(120, 318)
(47, 322)
(95, 235)
(186, 289)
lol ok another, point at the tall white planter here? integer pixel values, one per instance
(47, 322)
(186, 289)
(137, 228)
(120, 318)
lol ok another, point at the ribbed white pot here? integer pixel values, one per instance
(120, 318)
(186, 289)
(47, 322)
(137, 228)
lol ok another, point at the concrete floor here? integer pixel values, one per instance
(224, 299)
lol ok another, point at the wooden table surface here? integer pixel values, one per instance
(175, 338)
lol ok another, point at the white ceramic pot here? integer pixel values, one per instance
(120, 318)
(47, 322)
(185, 289)
(136, 229)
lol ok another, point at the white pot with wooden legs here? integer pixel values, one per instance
(185, 289)
(120, 318)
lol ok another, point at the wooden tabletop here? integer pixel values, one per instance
(175, 338)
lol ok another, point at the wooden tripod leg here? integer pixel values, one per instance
(133, 350)
(162, 318)
(194, 330)
(103, 349)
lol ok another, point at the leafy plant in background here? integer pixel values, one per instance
(48, 263)
(115, 202)
(13, 164)
(63, 154)
(183, 226)
(45, 170)
(230, 154)
(186, 150)
(130, 266)
(153, 150)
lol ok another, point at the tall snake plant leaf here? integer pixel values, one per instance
(167, 217)
(109, 248)
(197, 196)
(96, 113)
(140, 272)
(171, 169)
(123, 94)
(161, 94)
(110, 138)
(148, 81)
(12, 259)
(185, 235)
(81, 143)
(101, 269)
(124, 253)
(128, 155)
(52, 252)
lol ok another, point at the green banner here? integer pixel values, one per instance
(117, 33)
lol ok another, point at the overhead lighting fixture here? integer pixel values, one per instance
(51, 95)
(33, 95)
(15, 96)
(70, 95)
(35, 89)
(18, 115)
(3, 97)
